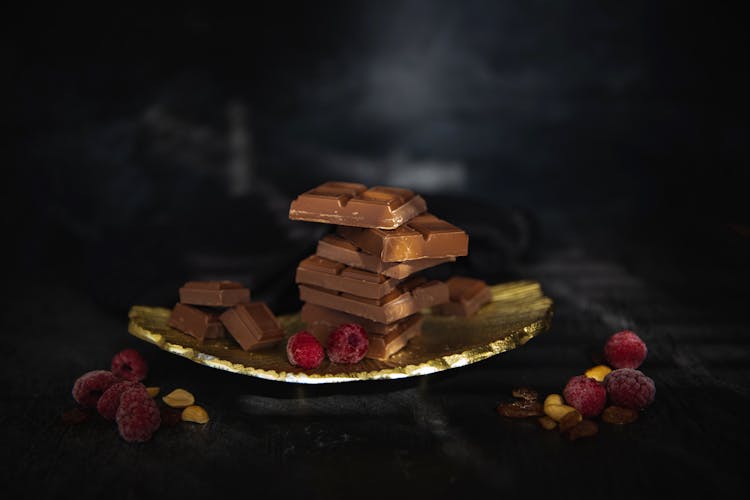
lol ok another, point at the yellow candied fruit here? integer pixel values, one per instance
(557, 412)
(598, 372)
(553, 399)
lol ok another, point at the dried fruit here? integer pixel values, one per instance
(128, 364)
(598, 372)
(630, 388)
(90, 386)
(110, 401)
(625, 349)
(347, 344)
(586, 395)
(138, 417)
(553, 399)
(195, 414)
(76, 416)
(520, 409)
(525, 393)
(570, 420)
(557, 412)
(584, 428)
(547, 423)
(304, 350)
(179, 398)
(619, 415)
(152, 391)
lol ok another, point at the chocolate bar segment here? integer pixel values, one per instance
(252, 325)
(214, 293)
(424, 237)
(196, 322)
(351, 204)
(384, 346)
(408, 298)
(467, 296)
(336, 248)
(312, 314)
(326, 273)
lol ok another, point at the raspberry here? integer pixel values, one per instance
(138, 417)
(129, 365)
(304, 350)
(90, 386)
(110, 400)
(630, 388)
(625, 349)
(585, 395)
(347, 344)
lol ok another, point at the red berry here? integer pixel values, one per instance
(129, 365)
(90, 386)
(304, 350)
(585, 395)
(625, 349)
(110, 400)
(630, 388)
(138, 417)
(347, 344)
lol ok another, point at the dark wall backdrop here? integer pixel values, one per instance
(154, 144)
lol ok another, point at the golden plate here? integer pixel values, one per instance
(518, 312)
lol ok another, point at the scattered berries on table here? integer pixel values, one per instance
(630, 388)
(138, 416)
(110, 400)
(347, 344)
(128, 364)
(625, 349)
(90, 386)
(304, 350)
(585, 395)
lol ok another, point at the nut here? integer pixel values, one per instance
(557, 412)
(195, 414)
(570, 420)
(525, 393)
(553, 399)
(520, 409)
(598, 372)
(585, 428)
(619, 415)
(152, 391)
(547, 423)
(179, 398)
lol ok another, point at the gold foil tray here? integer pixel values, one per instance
(518, 312)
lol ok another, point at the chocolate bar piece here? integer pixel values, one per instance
(350, 204)
(338, 249)
(408, 298)
(252, 325)
(214, 293)
(384, 346)
(331, 318)
(196, 322)
(326, 273)
(424, 237)
(467, 296)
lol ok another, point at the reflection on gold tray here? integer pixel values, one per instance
(518, 312)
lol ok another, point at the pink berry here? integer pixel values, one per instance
(110, 401)
(90, 386)
(585, 395)
(630, 388)
(138, 417)
(625, 349)
(347, 344)
(304, 350)
(129, 365)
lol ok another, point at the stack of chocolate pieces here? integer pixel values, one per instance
(365, 272)
(208, 309)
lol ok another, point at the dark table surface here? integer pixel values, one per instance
(679, 283)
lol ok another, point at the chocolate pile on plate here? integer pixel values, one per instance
(366, 272)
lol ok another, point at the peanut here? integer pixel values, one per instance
(557, 412)
(179, 398)
(152, 391)
(195, 414)
(547, 423)
(598, 372)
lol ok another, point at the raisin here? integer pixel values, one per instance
(520, 409)
(525, 393)
(619, 415)
(584, 428)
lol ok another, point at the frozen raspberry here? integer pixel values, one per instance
(90, 386)
(110, 400)
(129, 365)
(625, 349)
(304, 350)
(630, 388)
(138, 417)
(585, 395)
(347, 344)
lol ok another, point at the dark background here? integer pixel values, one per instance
(600, 148)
